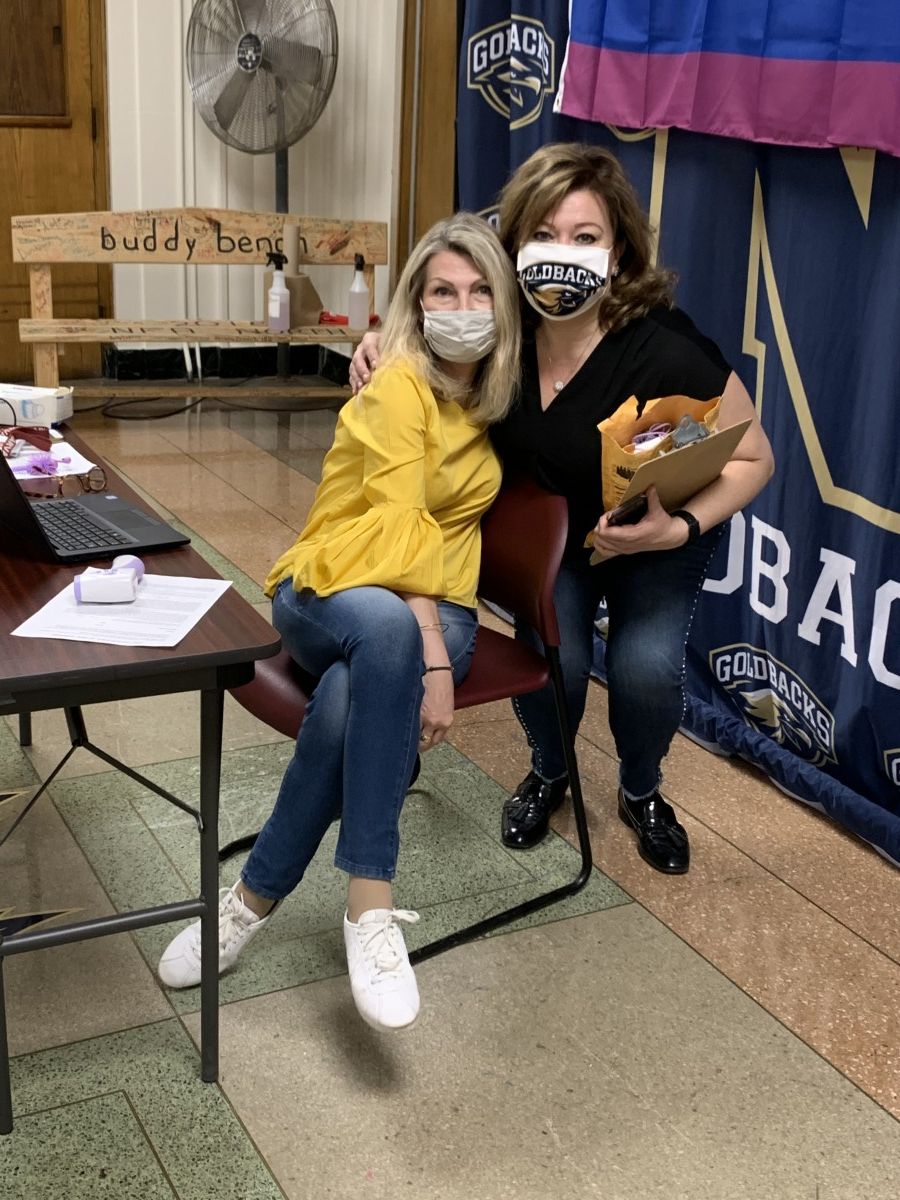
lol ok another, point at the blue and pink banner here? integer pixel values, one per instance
(815, 73)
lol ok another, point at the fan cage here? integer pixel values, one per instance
(270, 107)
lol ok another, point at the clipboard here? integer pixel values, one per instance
(680, 474)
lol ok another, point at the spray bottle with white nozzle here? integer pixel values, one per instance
(358, 302)
(278, 305)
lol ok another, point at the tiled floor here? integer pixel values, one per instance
(728, 1035)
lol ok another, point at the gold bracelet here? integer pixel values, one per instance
(439, 625)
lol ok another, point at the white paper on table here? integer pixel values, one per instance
(68, 461)
(166, 609)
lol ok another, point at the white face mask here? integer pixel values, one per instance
(560, 281)
(460, 335)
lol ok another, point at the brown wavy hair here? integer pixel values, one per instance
(538, 187)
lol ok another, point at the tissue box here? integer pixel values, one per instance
(35, 405)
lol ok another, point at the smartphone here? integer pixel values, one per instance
(628, 513)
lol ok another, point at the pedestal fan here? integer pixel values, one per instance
(260, 73)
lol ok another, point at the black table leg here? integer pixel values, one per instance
(211, 706)
(6, 1120)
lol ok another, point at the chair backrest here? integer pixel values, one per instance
(523, 536)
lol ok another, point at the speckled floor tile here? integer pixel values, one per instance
(138, 732)
(758, 900)
(98, 1149)
(534, 1072)
(300, 440)
(88, 1115)
(452, 866)
(828, 985)
(278, 485)
(811, 854)
(497, 744)
(62, 994)
(16, 770)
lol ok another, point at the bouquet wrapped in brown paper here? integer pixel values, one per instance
(621, 458)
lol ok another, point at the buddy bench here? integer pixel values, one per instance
(195, 236)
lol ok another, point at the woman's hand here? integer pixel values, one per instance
(364, 361)
(437, 708)
(655, 531)
(436, 713)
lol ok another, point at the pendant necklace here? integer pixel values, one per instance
(559, 384)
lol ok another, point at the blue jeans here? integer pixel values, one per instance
(360, 735)
(650, 599)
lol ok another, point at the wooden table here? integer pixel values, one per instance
(37, 674)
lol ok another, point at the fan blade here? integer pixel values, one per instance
(292, 62)
(231, 98)
(250, 14)
(222, 36)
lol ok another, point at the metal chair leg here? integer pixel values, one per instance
(498, 920)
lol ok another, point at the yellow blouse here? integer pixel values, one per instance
(403, 489)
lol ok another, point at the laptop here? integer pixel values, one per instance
(94, 525)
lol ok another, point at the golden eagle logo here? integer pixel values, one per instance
(771, 715)
(555, 297)
(513, 65)
(774, 699)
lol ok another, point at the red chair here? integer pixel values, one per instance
(523, 537)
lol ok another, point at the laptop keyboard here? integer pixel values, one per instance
(71, 527)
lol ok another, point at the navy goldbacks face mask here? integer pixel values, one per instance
(560, 281)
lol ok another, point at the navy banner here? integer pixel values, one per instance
(789, 259)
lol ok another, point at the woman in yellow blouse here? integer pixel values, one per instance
(377, 599)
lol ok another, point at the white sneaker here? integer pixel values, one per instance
(179, 966)
(381, 979)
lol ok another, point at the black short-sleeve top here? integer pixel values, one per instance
(661, 354)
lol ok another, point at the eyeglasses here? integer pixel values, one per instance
(68, 486)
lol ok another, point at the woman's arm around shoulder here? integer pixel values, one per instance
(364, 360)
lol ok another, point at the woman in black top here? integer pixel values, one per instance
(599, 328)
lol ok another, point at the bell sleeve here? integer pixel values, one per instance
(396, 542)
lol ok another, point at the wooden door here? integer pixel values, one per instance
(52, 159)
(429, 104)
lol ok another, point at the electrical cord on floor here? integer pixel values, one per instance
(113, 408)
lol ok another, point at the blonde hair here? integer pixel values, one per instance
(538, 187)
(494, 387)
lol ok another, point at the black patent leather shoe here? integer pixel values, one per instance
(417, 767)
(662, 842)
(526, 814)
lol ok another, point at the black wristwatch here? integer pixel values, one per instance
(692, 523)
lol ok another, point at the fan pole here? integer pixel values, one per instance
(281, 206)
